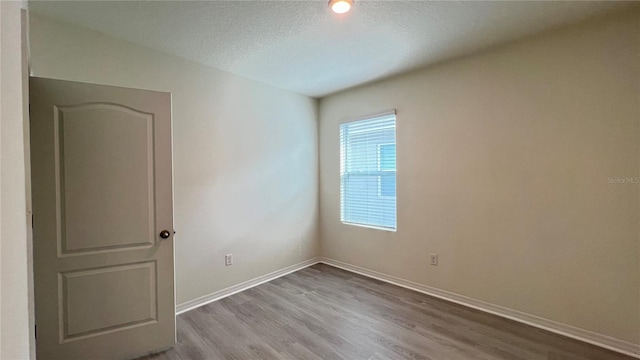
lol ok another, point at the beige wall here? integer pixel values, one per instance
(503, 165)
(245, 155)
(16, 329)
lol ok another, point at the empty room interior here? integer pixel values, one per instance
(351, 179)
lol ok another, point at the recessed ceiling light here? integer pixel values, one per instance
(340, 6)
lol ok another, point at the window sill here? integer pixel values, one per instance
(370, 226)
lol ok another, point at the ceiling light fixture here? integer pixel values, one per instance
(340, 6)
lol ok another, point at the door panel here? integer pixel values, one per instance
(116, 297)
(105, 156)
(102, 193)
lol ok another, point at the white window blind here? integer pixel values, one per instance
(368, 172)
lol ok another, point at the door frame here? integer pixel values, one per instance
(18, 245)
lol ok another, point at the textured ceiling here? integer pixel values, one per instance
(302, 47)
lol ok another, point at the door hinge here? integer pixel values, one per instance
(31, 221)
(35, 331)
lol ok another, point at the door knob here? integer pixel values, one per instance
(165, 234)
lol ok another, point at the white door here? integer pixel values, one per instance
(103, 220)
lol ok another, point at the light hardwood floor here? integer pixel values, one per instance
(322, 312)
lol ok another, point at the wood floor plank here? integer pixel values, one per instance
(322, 312)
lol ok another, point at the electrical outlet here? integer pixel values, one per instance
(434, 259)
(228, 260)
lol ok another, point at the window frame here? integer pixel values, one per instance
(343, 173)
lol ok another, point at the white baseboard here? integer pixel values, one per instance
(587, 336)
(217, 295)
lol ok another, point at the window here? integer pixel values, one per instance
(368, 172)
